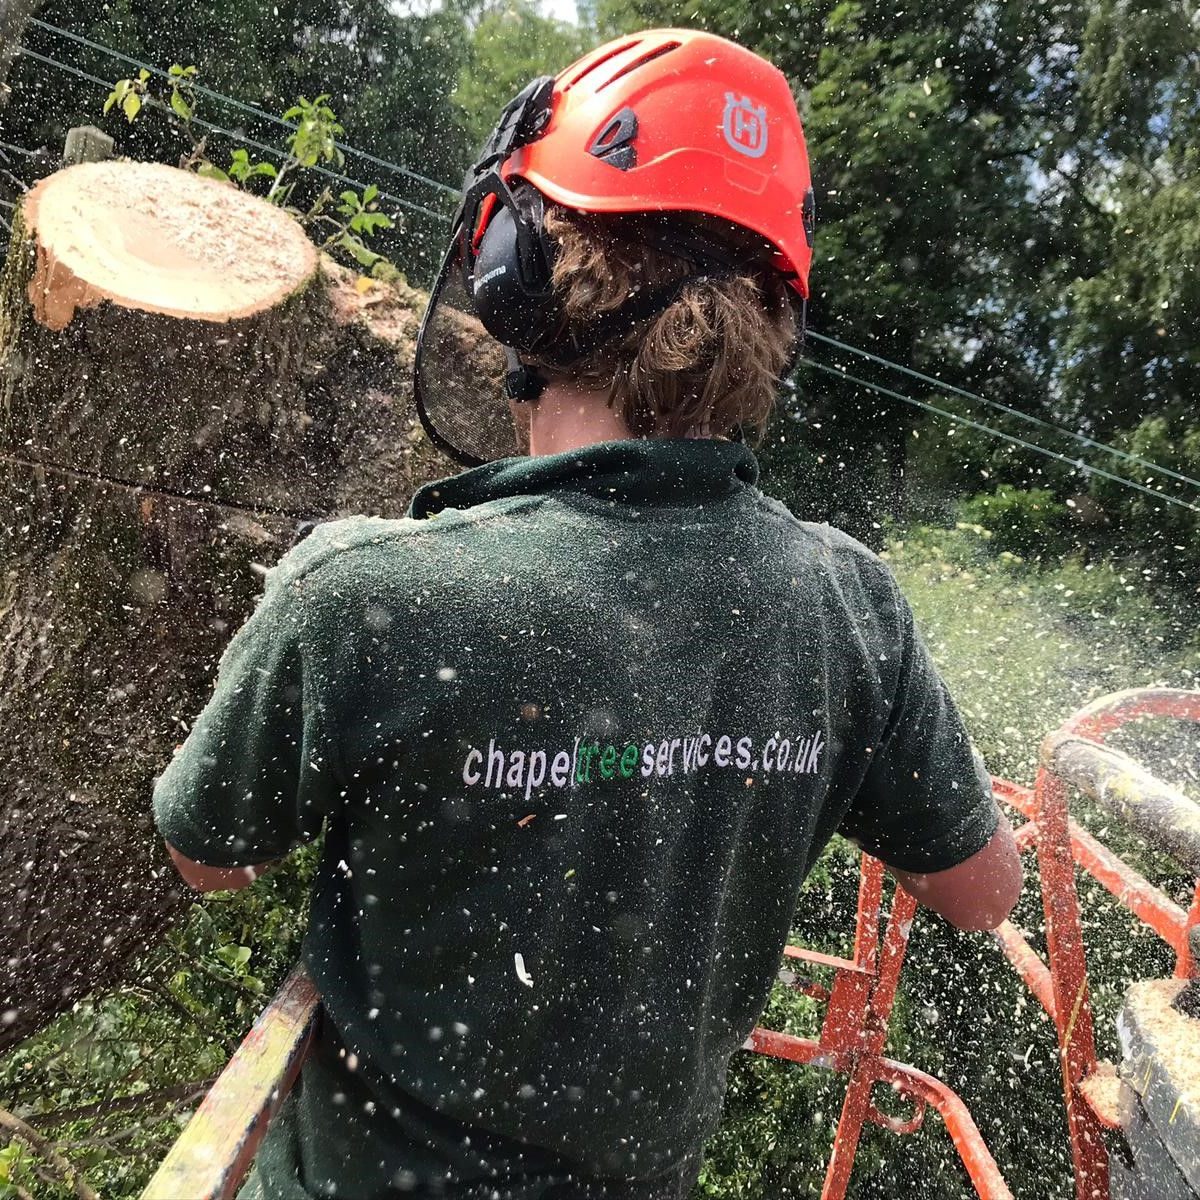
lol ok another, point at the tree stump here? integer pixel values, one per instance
(182, 382)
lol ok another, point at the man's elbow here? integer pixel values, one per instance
(989, 913)
(203, 878)
(978, 894)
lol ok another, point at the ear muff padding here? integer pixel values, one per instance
(511, 280)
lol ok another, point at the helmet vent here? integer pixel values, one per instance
(648, 57)
(589, 65)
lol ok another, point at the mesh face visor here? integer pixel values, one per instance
(459, 375)
(459, 367)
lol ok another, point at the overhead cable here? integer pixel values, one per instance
(240, 105)
(1028, 418)
(1077, 464)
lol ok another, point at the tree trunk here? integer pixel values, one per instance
(181, 383)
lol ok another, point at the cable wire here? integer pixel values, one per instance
(1078, 464)
(1012, 412)
(146, 489)
(236, 136)
(240, 105)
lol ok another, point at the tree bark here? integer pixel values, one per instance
(152, 464)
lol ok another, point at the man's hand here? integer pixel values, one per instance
(215, 879)
(977, 894)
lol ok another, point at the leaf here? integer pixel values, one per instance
(180, 106)
(351, 198)
(143, 75)
(359, 252)
(265, 168)
(112, 99)
(368, 223)
(210, 170)
(131, 106)
(369, 193)
(234, 957)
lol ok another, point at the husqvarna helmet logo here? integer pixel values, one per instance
(745, 125)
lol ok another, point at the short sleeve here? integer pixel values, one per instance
(926, 802)
(251, 782)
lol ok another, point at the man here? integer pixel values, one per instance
(577, 728)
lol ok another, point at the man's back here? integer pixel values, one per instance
(582, 727)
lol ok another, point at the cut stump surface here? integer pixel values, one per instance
(154, 238)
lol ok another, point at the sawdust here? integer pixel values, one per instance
(1175, 1037)
(154, 238)
(1102, 1090)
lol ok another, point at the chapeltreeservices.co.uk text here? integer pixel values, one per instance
(592, 762)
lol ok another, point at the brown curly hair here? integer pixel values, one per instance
(710, 362)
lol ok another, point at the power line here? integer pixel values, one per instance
(1077, 464)
(240, 105)
(146, 489)
(236, 136)
(1012, 412)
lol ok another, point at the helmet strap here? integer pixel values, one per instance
(522, 383)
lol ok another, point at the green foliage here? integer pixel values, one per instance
(779, 1118)
(176, 1021)
(1028, 522)
(314, 139)
(1021, 647)
(360, 219)
(128, 95)
(1164, 537)
(312, 142)
(510, 45)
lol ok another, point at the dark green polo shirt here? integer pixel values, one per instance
(576, 728)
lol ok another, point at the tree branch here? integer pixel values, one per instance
(104, 1108)
(48, 1152)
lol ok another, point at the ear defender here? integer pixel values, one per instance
(510, 283)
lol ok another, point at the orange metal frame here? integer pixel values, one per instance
(853, 1035)
(1062, 985)
(859, 1003)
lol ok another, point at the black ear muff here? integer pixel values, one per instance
(510, 283)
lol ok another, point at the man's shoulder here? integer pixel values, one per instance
(838, 549)
(361, 544)
(332, 543)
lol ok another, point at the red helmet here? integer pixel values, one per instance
(666, 121)
(678, 120)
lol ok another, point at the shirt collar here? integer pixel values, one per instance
(644, 471)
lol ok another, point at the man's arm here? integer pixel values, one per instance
(925, 806)
(247, 785)
(216, 879)
(979, 892)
